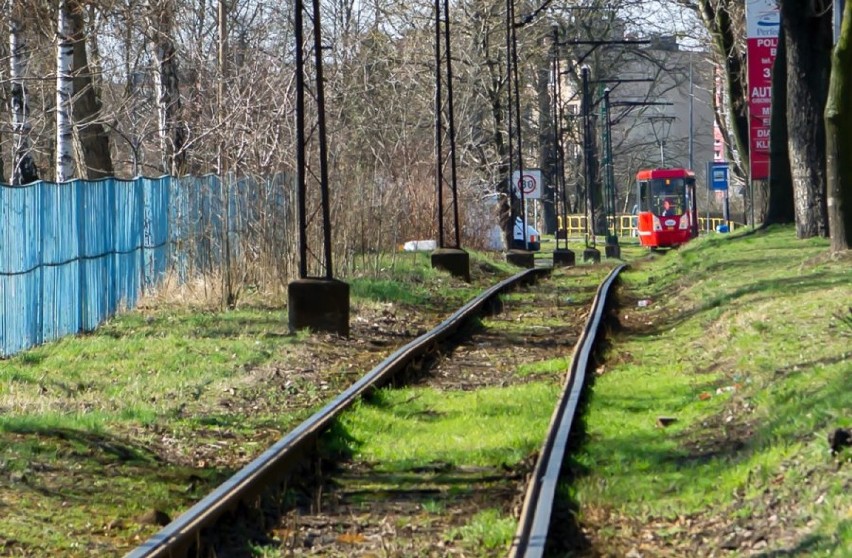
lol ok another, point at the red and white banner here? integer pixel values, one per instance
(762, 24)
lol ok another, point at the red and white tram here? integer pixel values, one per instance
(667, 215)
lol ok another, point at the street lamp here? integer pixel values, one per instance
(661, 125)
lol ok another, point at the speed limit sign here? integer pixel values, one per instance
(528, 182)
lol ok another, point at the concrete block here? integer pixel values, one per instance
(318, 304)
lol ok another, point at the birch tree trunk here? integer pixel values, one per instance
(64, 91)
(23, 167)
(172, 135)
(838, 133)
(91, 135)
(807, 36)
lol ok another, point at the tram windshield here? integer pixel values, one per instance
(664, 196)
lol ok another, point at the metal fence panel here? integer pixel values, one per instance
(72, 254)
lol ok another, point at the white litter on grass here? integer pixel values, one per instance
(419, 245)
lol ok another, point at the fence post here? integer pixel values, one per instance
(39, 314)
(80, 212)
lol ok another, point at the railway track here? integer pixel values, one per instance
(341, 513)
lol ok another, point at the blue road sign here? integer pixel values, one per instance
(719, 176)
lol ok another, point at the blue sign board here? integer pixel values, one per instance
(719, 176)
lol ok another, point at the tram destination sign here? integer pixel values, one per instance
(762, 24)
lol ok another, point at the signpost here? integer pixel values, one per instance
(719, 176)
(717, 181)
(530, 183)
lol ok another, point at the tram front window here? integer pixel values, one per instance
(668, 196)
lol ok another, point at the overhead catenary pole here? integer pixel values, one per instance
(515, 82)
(298, 32)
(609, 175)
(451, 117)
(319, 303)
(224, 182)
(691, 116)
(323, 143)
(556, 102)
(440, 127)
(439, 132)
(588, 164)
(510, 226)
(452, 259)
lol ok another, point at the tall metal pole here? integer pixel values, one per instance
(610, 175)
(557, 136)
(224, 182)
(516, 81)
(323, 144)
(452, 124)
(439, 160)
(300, 136)
(587, 157)
(691, 117)
(509, 125)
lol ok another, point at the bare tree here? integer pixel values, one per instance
(24, 170)
(91, 135)
(172, 134)
(725, 21)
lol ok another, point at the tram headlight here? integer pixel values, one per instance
(657, 225)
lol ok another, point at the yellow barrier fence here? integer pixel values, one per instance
(624, 224)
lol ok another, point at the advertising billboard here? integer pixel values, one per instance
(762, 25)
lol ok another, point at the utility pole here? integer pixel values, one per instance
(320, 303)
(590, 161)
(691, 116)
(562, 255)
(612, 249)
(224, 183)
(590, 169)
(454, 259)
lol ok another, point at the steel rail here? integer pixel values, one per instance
(178, 537)
(533, 525)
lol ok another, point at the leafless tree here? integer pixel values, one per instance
(23, 167)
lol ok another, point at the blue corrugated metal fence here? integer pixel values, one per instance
(72, 254)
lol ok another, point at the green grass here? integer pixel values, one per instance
(453, 442)
(487, 530)
(557, 365)
(746, 343)
(137, 367)
(487, 428)
(97, 429)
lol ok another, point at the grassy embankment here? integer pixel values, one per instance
(746, 343)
